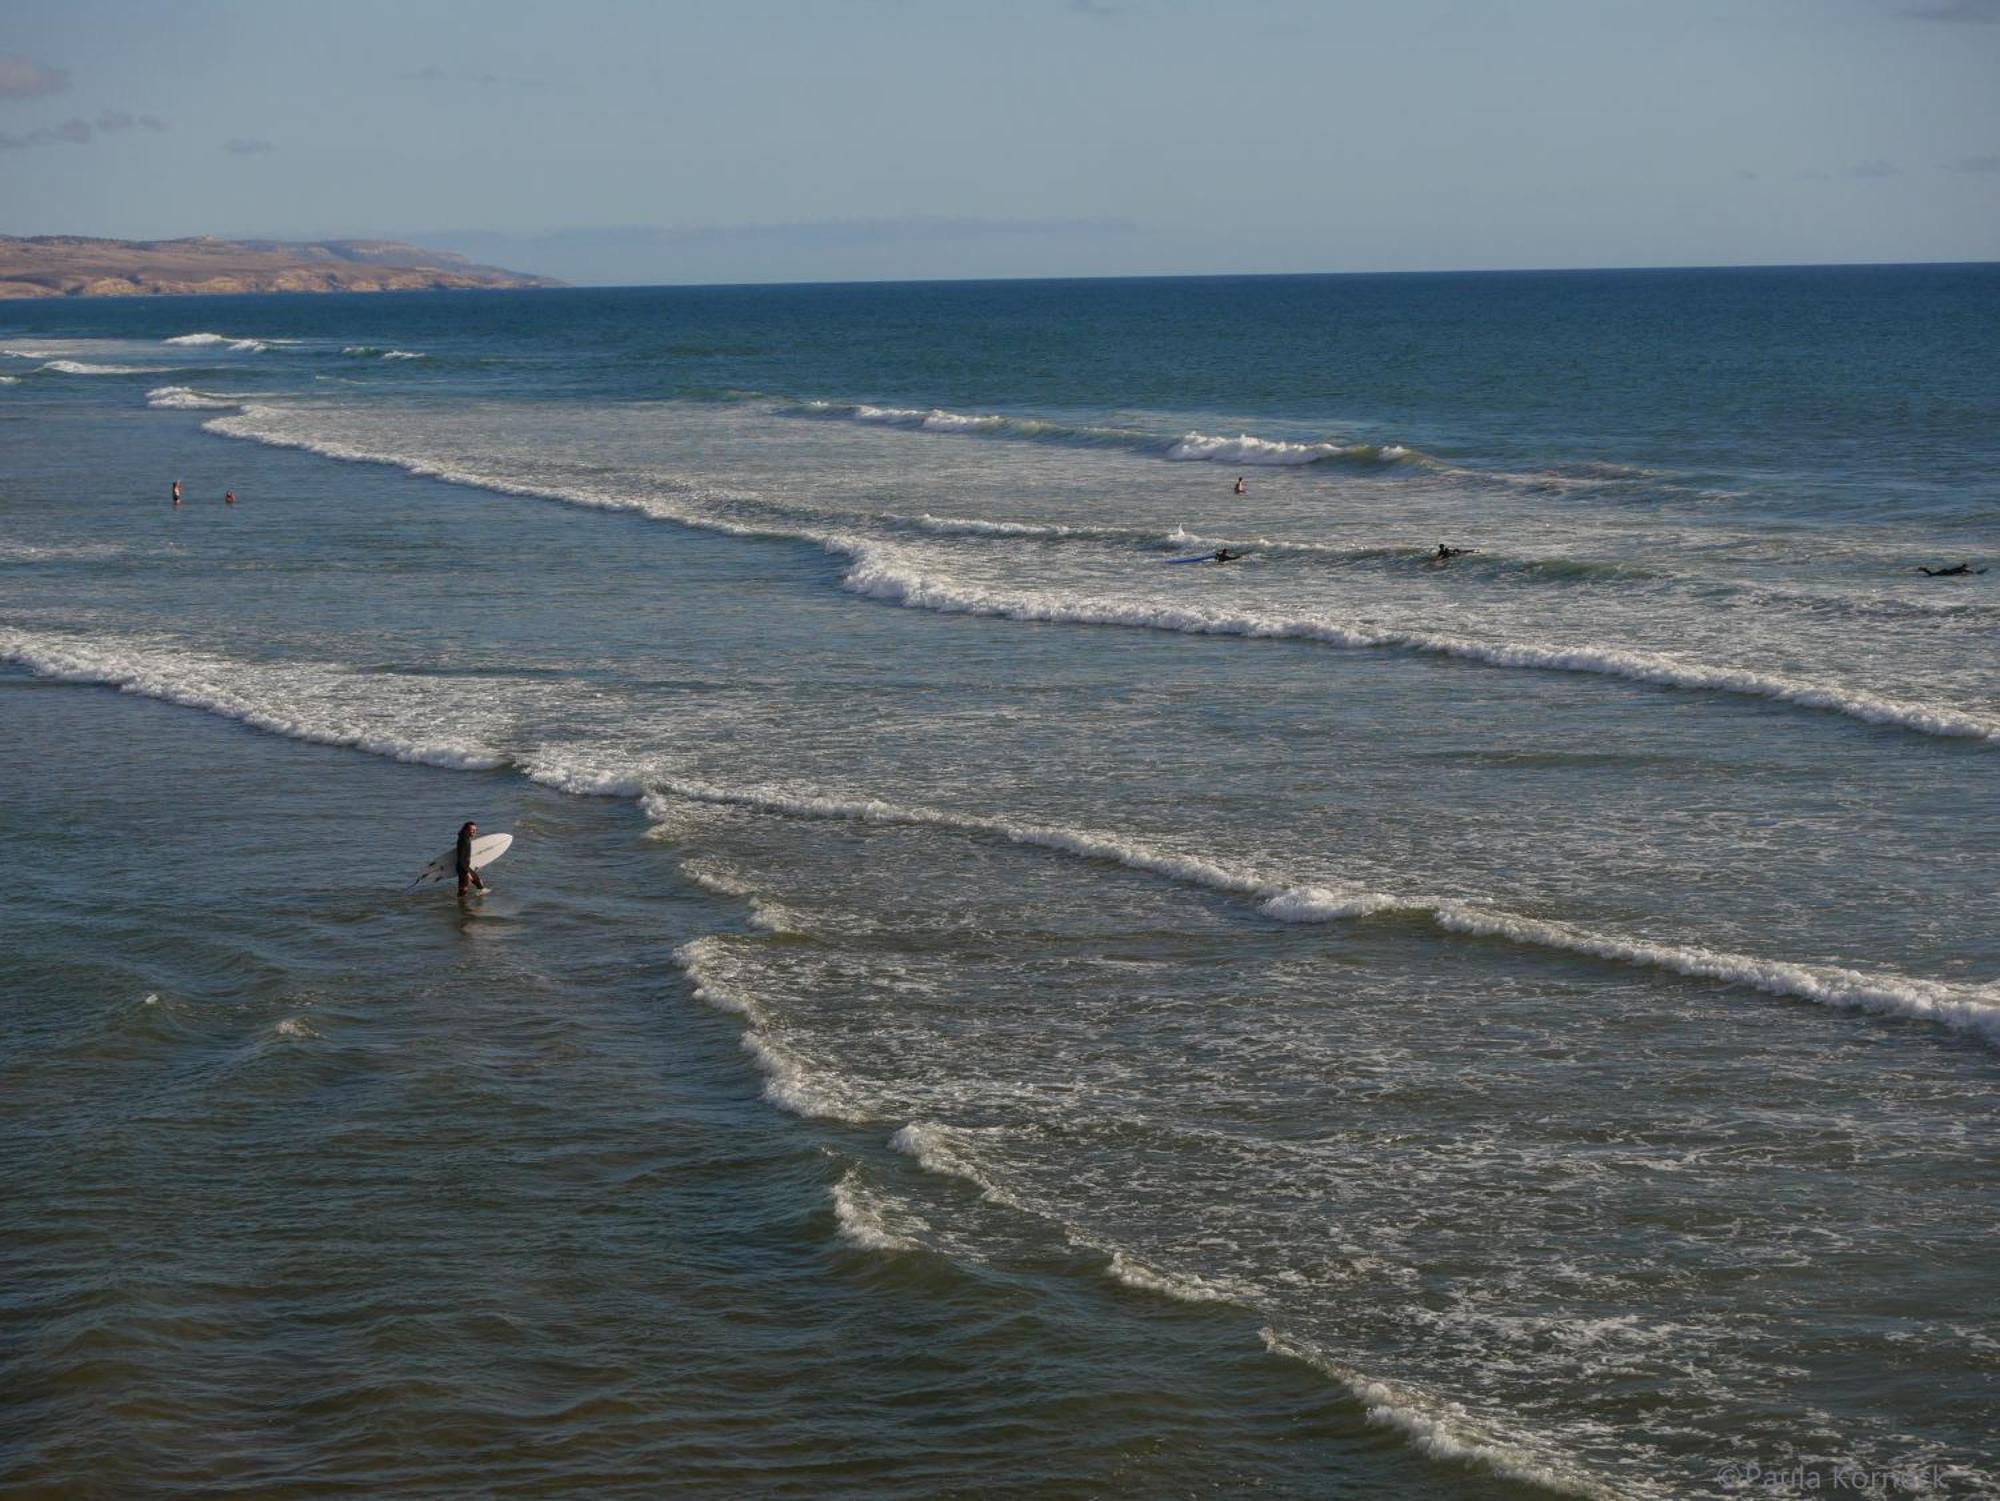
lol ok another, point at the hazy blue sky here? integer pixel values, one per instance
(830, 139)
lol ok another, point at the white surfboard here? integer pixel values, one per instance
(485, 850)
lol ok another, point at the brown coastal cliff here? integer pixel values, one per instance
(73, 266)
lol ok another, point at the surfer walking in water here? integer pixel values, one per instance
(468, 878)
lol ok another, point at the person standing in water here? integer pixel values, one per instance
(468, 878)
(177, 492)
(229, 497)
(1239, 484)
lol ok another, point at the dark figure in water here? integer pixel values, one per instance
(1445, 554)
(1224, 555)
(1239, 484)
(467, 876)
(1948, 573)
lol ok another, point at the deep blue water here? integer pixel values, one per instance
(972, 1009)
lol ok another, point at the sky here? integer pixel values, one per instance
(676, 141)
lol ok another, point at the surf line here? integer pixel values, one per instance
(873, 574)
(1974, 1011)
(873, 577)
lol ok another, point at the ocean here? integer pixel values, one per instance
(980, 1004)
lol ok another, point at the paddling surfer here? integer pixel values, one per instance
(1955, 571)
(1446, 554)
(1224, 555)
(467, 876)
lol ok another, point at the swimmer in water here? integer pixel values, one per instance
(1948, 573)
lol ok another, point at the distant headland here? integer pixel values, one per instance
(76, 266)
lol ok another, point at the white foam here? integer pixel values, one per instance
(239, 345)
(186, 399)
(1973, 1010)
(404, 354)
(1244, 449)
(877, 572)
(880, 573)
(943, 1150)
(84, 367)
(1184, 1287)
(1447, 1431)
(790, 1082)
(862, 1219)
(209, 683)
(78, 552)
(296, 1029)
(10, 380)
(214, 685)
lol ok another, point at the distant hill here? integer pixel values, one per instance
(74, 266)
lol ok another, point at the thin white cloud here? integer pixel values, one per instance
(433, 74)
(77, 132)
(113, 120)
(24, 78)
(81, 132)
(1978, 12)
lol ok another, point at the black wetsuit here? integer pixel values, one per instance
(463, 858)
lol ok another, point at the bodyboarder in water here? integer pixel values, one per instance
(468, 878)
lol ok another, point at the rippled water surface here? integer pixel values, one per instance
(983, 1001)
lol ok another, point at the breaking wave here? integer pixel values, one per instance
(1187, 447)
(1446, 1430)
(84, 367)
(187, 399)
(310, 712)
(876, 572)
(1968, 1009)
(245, 346)
(877, 575)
